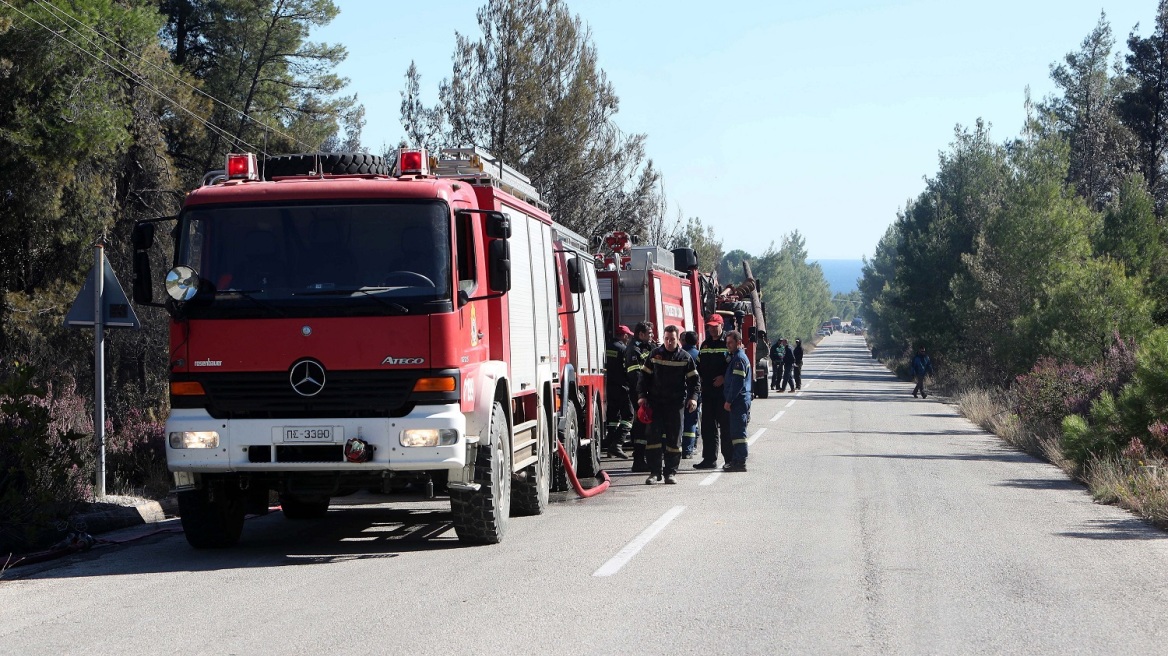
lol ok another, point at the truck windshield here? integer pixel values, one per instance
(381, 256)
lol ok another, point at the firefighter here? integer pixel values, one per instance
(669, 386)
(736, 401)
(689, 432)
(620, 404)
(636, 352)
(712, 359)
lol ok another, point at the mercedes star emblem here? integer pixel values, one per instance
(307, 377)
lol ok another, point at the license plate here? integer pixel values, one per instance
(313, 434)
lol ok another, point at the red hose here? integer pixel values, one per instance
(580, 491)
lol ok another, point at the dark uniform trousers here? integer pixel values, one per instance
(664, 438)
(715, 423)
(619, 414)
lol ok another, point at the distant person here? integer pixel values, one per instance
(668, 384)
(736, 398)
(798, 364)
(689, 428)
(777, 364)
(921, 366)
(788, 383)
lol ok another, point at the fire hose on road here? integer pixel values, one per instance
(580, 491)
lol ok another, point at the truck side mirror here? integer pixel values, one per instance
(577, 283)
(143, 284)
(143, 236)
(498, 225)
(142, 239)
(499, 265)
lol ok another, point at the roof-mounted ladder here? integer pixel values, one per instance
(477, 166)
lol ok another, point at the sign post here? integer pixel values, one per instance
(101, 303)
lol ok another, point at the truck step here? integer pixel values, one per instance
(526, 462)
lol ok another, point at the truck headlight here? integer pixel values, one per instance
(194, 440)
(429, 437)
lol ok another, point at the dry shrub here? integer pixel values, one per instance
(1139, 487)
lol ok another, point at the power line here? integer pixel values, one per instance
(125, 70)
(58, 12)
(146, 84)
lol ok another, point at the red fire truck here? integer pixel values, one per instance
(338, 326)
(649, 283)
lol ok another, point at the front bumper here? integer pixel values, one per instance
(258, 445)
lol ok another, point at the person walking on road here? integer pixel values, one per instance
(736, 401)
(798, 353)
(636, 353)
(669, 386)
(712, 359)
(616, 391)
(689, 429)
(788, 384)
(921, 366)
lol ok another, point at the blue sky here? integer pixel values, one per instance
(768, 117)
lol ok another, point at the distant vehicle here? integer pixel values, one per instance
(827, 328)
(837, 323)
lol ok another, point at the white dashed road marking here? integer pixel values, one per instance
(631, 549)
(754, 437)
(709, 480)
(776, 417)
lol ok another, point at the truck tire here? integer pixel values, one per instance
(211, 524)
(303, 508)
(570, 437)
(330, 164)
(480, 517)
(530, 489)
(589, 458)
(762, 389)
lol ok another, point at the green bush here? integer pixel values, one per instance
(1136, 415)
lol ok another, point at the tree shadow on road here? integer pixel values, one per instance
(1044, 484)
(1117, 529)
(997, 456)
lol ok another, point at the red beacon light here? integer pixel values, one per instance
(242, 167)
(413, 161)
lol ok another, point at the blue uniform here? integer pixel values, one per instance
(736, 390)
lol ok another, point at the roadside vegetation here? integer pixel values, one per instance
(1035, 271)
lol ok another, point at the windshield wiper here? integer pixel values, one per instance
(248, 295)
(371, 292)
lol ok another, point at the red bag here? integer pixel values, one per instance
(645, 414)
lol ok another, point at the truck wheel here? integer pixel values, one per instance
(530, 490)
(589, 458)
(761, 389)
(570, 436)
(480, 517)
(329, 163)
(303, 507)
(211, 522)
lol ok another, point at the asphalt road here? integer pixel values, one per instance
(869, 522)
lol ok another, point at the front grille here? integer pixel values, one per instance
(269, 395)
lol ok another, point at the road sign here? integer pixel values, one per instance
(101, 304)
(116, 310)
